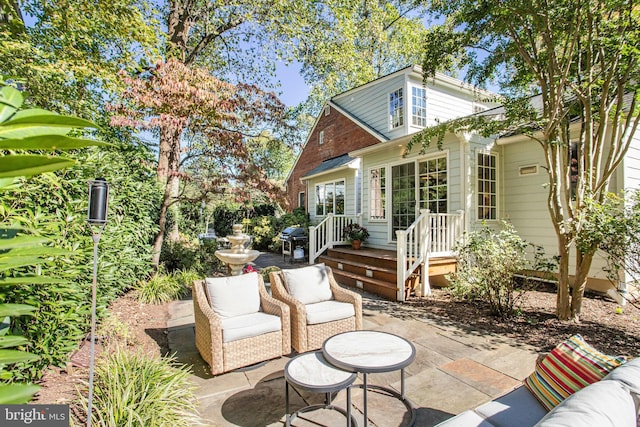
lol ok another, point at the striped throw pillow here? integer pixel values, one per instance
(571, 366)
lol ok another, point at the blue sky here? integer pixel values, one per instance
(293, 88)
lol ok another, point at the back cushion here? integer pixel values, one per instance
(235, 295)
(603, 404)
(308, 284)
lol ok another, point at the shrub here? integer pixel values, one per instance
(488, 260)
(265, 272)
(134, 389)
(190, 255)
(160, 288)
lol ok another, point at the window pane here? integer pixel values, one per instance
(487, 186)
(377, 192)
(339, 198)
(320, 199)
(433, 185)
(396, 109)
(418, 106)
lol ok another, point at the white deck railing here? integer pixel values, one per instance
(430, 235)
(328, 233)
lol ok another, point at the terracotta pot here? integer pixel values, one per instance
(355, 244)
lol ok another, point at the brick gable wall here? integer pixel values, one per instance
(341, 135)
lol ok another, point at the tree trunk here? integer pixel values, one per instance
(583, 265)
(563, 303)
(169, 157)
(162, 224)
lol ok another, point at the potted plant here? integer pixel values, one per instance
(356, 234)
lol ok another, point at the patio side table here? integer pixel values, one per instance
(372, 352)
(312, 373)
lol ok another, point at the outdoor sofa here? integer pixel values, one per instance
(612, 401)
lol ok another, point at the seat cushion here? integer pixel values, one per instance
(516, 408)
(235, 295)
(569, 367)
(308, 284)
(249, 325)
(603, 404)
(466, 419)
(328, 311)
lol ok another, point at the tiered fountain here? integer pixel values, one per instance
(238, 255)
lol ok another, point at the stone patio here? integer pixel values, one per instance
(455, 369)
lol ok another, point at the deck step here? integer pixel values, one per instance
(367, 284)
(368, 270)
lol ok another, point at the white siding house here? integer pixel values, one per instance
(484, 180)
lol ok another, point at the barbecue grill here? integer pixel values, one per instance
(293, 238)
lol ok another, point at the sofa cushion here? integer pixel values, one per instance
(518, 407)
(628, 374)
(603, 404)
(249, 325)
(235, 295)
(328, 311)
(569, 367)
(466, 419)
(308, 284)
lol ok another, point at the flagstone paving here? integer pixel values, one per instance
(455, 369)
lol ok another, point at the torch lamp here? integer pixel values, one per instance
(97, 219)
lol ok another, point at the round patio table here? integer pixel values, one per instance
(372, 352)
(312, 373)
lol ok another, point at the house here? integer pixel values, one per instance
(354, 168)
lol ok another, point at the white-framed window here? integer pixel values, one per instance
(301, 199)
(321, 137)
(396, 109)
(434, 184)
(487, 179)
(327, 110)
(377, 193)
(418, 106)
(330, 198)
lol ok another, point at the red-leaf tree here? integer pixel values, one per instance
(206, 127)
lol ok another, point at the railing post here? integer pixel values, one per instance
(425, 232)
(401, 266)
(331, 227)
(312, 244)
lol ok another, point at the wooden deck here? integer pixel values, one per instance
(375, 270)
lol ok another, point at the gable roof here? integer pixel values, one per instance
(330, 165)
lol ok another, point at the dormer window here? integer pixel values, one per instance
(396, 109)
(321, 138)
(418, 106)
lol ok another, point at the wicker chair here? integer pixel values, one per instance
(306, 336)
(225, 355)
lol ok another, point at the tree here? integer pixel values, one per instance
(582, 58)
(75, 48)
(181, 102)
(240, 42)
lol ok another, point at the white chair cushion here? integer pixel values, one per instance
(249, 325)
(308, 284)
(235, 295)
(328, 311)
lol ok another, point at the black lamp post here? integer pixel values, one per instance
(97, 219)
